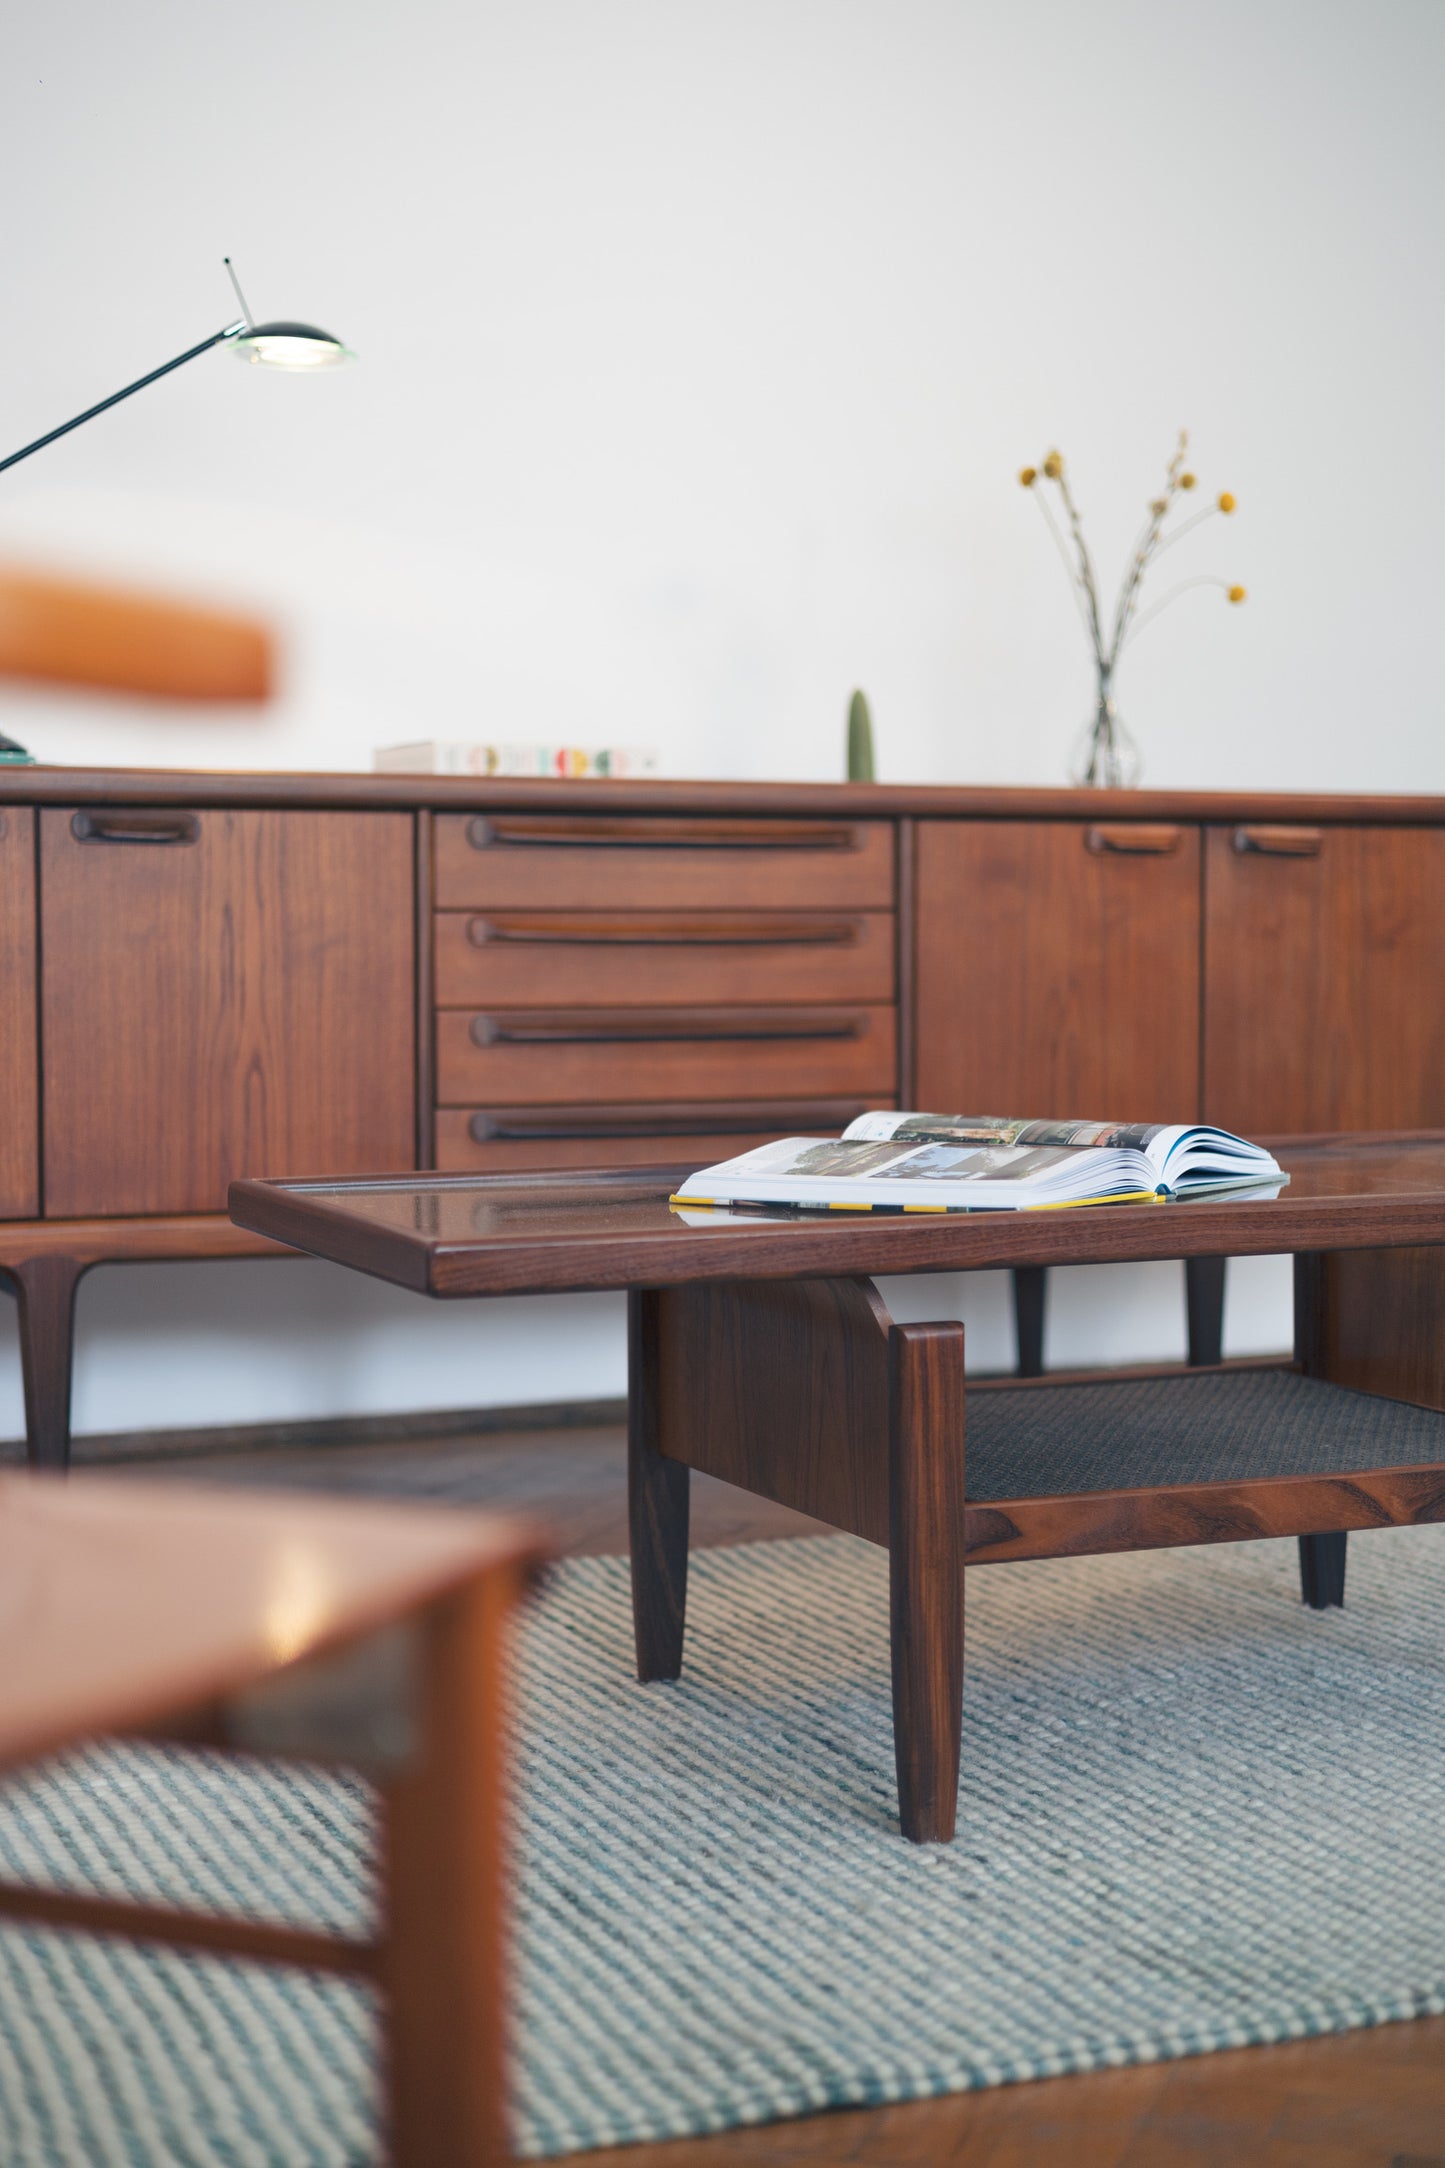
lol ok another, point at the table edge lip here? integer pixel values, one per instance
(517, 1542)
(310, 1217)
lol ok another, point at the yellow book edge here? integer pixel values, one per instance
(1063, 1204)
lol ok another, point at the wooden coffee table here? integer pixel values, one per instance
(362, 1634)
(761, 1352)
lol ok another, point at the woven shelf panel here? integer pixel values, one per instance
(1039, 1441)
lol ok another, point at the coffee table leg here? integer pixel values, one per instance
(1322, 1570)
(1204, 1308)
(657, 1502)
(1031, 1291)
(925, 1572)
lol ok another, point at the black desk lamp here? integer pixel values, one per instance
(273, 346)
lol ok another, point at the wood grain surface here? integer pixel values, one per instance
(424, 991)
(925, 1572)
(1380, 1323)
(173, 1599)
(19, 1051)
(521, 959)
(446, 1873)
(906, 940)
(541, 1057)
(782, 1389)
(688, 862)
(836, 801)
(1054, 977)
(240, 1002)
(43, 1262)
(500, 1140)
(1090, 1522)
(1316, 1010)
(113, 1241)
(459, 1235)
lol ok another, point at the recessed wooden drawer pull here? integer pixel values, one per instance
(1280, 842)
(135, 827)
(647, 831)
(559, 1124)
(649, 929)
(1134, 841)
(616, 1027)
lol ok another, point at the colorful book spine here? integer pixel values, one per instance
(442, 756)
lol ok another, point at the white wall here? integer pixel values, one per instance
(699, 348)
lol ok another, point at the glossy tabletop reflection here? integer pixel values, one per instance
(530, 1234)
(122, 1603)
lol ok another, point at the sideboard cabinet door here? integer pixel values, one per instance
(1058, 968)
(1324, 964)
(223, 993)
(19, 1128)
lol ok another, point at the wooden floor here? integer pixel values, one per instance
(1363, 2100)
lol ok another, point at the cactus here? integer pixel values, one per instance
(860, 740)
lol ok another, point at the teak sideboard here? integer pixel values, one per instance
(206, 976)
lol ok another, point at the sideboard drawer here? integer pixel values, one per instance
(581, 1057)
(503, 1140)
(600, 861)
(521, 959)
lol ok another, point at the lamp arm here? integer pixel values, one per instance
(115, 398)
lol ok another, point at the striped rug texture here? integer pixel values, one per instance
(1194, 1815)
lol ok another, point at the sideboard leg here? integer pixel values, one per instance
(46, 1288)
(1031, 1287)
(1204, 1305)
(1322, 1570)
(657, 1503)
(925, 1572)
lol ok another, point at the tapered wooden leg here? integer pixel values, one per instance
(657, 1503)
(1031, 1286)
(925, 1572)
(1204, 1307)
(1316, 1296)
(46, 1288)
(443, 1852)
(1322, 1570)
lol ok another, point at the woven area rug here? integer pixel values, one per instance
(1194, 1815)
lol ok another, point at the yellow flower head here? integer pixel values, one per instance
(1054, 465)
(1187, 481)
(1236, 594)
(1028, 476)
(1226, 501)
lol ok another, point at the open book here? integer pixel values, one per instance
(964, 1163)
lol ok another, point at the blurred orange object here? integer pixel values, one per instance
(75, 634)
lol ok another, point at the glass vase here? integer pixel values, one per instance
(1107, 757)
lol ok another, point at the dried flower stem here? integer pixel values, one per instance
(1205, 579)
(1133, 579)
(1076, 584)
(1210, 511)
(1087, 580)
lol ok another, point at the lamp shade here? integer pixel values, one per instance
(290, 346)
